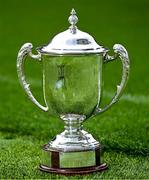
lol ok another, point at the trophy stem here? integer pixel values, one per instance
(73, 124)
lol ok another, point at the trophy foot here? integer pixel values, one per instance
(72, 162)
(74, 171)
(74, 151)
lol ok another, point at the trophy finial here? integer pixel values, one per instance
(73, 19)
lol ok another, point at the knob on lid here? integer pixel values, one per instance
(72, 41)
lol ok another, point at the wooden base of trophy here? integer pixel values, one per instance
(73, 171)
(72, 163)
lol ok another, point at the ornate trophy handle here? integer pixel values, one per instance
(25, 50)
(121, 52)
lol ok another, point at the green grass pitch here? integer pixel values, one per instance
(123, 130)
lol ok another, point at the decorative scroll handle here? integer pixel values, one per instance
(120, 52)
(26, 50)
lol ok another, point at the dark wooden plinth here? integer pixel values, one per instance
(74, 171)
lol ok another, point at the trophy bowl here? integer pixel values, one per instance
(71, 84)
(72, 88)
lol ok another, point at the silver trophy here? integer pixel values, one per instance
(72, 86)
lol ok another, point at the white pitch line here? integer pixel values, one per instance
(137, 99)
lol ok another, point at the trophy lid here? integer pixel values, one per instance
(72, 41)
